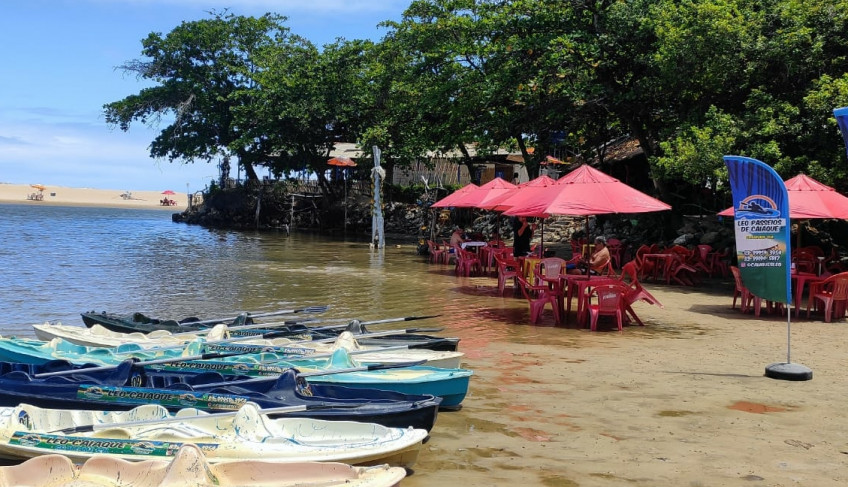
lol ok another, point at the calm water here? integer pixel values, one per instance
(60, 261)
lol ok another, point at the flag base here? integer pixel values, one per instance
(789, 371)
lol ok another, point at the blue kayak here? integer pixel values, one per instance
(128, 385)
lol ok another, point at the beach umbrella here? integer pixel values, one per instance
(519, 195)
(552, 160)
(809, 198)
(481, 196)
(343, 162)
(586, 191)
(39, 187)
(168, 192)
(448, 200)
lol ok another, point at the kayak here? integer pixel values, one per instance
(150, 431)
(189, 466)
(59, 384)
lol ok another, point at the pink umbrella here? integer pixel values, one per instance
(518, 194)
(449, 200)
(809, 198)
(481, 196)
(586, 191)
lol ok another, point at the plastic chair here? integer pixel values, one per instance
(805, 261)
(746, 296)
(615, 249)
(549, 267)
(832, 292)
(467, 263)
(635, 291)
(437, 254)
(645, 266)
(508, 268)
(607, 270)
(609, 301)
(538, 297)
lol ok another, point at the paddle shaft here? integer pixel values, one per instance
(310, 309)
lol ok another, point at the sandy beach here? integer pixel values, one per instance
(111, 198)
(682, 401)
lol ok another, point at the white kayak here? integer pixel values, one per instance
(98, 336)
(149, 431)
(189, 468)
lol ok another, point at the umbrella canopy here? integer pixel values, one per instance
(586, 191)
(39, 187)
(448, 200)
(481, 196)
(168, 191)
(809, 198)
(552, 160)
(342, 161)
(519, 195)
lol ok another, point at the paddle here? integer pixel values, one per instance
(271, 348)
(88, 428)
(346, 324)
(309, 309)
(202, 356)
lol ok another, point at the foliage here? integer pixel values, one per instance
(690, 80)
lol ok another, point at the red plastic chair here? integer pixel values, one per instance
(538, 297)
(437, 254)
(747, 298)
(833, 294)
(609, 301)
(467, 263)
(635, 291)
(615, 249)
(508, 268)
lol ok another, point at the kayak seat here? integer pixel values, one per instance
(60, 379)
(179, 386)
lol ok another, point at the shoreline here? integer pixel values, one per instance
(101, 198)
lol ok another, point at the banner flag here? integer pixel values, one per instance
(841, 115)
(761, 222)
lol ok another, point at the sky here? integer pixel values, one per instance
(58, 68)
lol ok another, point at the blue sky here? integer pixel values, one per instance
(58, 70)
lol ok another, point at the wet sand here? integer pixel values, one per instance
(682, 401)
(104, 198)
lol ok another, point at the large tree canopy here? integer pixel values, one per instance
(691, 81)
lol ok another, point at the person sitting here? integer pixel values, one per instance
(456, 239)
(599, 259)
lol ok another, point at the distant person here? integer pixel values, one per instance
(456, 239)
(522, 233)
(599, 259)
(515, 178)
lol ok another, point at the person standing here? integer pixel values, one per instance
(522, 233)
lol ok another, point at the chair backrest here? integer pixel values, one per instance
(840, 287)
(433, 246)
(551, 266)
(737, 277)
(642, 250)
(703, 251)
(630, 272)
(608, 296)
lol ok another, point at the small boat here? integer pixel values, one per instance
(150, 431)
(189, 466)
(242, 325)
(59, 384)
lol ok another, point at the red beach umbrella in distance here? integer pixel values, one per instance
(342, 161)
(809, 198)
(168, 191)
(448, 200)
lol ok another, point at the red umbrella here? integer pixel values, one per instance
(809, 198)
(448, 200)
(342, 161)
(480, 197)
(586, 191)
(168, 191)
(520, 195)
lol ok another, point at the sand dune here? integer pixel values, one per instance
(61, 195)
